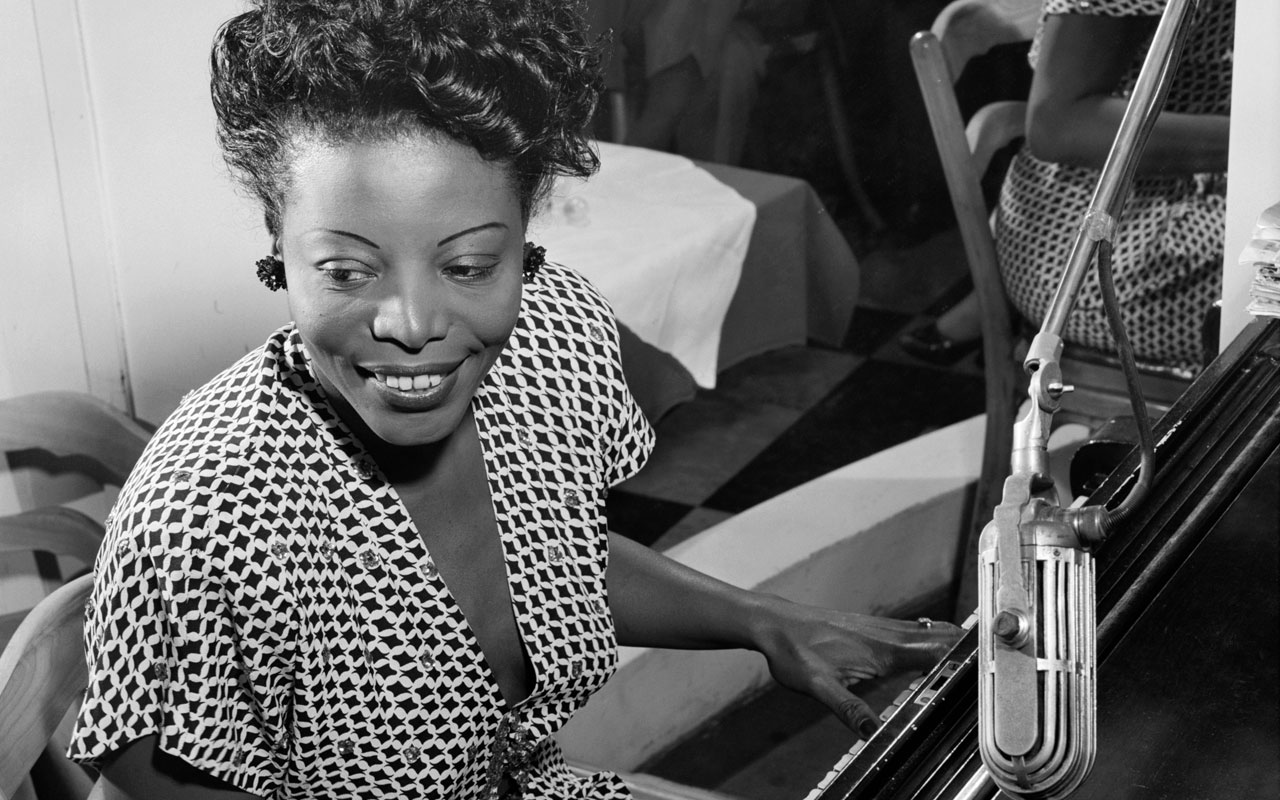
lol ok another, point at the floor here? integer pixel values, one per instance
(772, 423)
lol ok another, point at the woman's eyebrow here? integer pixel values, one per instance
(349, 235)
(453, 236)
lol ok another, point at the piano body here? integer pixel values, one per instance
(1188, 611)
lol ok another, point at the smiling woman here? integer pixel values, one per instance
(370, 559)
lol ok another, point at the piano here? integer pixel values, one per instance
(1188, 611)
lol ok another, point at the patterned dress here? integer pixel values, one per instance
(1168, 250)
(264, 603)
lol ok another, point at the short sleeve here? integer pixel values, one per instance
(629, 437)
(164, 648)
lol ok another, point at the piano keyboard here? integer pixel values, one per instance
(920, 692)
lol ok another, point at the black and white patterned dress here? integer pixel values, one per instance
(1169, 245)
(264, 603)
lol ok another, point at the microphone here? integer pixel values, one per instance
(1036, 656)
(1036, 644)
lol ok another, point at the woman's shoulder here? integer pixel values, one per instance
(213, 444)
(563, 291)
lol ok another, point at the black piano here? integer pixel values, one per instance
(1188, 609)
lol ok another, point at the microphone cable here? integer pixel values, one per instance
(1129, 366)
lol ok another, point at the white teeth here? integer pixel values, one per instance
(409, 383)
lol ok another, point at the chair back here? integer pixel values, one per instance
(964, 30)
(42, 673)
(63, 450)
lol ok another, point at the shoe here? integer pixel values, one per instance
(928, 344)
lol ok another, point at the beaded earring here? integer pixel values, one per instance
(271, 273)
(534, 258)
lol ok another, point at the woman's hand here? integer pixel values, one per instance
(657, 602)
(822, 653)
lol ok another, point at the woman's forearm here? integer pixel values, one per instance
(658, 602)
(1081, 134)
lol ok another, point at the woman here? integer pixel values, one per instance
(1168, 247)
(370, 559)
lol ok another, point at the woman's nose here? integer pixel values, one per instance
(413, 314)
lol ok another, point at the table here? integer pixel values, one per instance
(799, 282)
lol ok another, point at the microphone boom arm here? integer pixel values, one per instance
(1037, 635)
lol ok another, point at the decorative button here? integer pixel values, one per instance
(183, 476)
(573, 498)
(369, 559)
(364, 469)
(596, 332)
(326, 549)
(282, 743)
(426, 659)
(576, 669)
(122, 548)
(346, 748)
(556, 554)
(602, 607)
(429, 570)
(160, 670)
(412, 753)
(279, 549)
(526, 439)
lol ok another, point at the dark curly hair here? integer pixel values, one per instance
(517, 80)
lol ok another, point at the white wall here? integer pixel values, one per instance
(184, 239)
(1254, 160)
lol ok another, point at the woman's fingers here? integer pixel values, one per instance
(851, 710)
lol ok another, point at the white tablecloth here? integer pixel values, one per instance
(662, 240)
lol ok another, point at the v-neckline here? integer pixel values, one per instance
(473, 641)
(423, 554)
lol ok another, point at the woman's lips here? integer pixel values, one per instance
(412, 391)
(407, 383)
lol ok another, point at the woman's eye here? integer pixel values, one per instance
(471, 273)
(345, 276)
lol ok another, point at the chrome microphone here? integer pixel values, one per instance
(1036, 663)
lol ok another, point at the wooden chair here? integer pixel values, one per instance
(963, 30)
(42, 674)
(61, 448)
(65, 452)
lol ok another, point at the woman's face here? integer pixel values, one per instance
(403, 259)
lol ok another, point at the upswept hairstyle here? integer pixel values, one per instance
(515, 79)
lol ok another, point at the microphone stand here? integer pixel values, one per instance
(1037, 634)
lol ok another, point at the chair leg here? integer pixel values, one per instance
(1002, 408)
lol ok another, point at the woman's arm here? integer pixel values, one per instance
(1072, 117)
(658, 602)
(142, 771)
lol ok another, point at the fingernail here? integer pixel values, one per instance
(867, 728)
